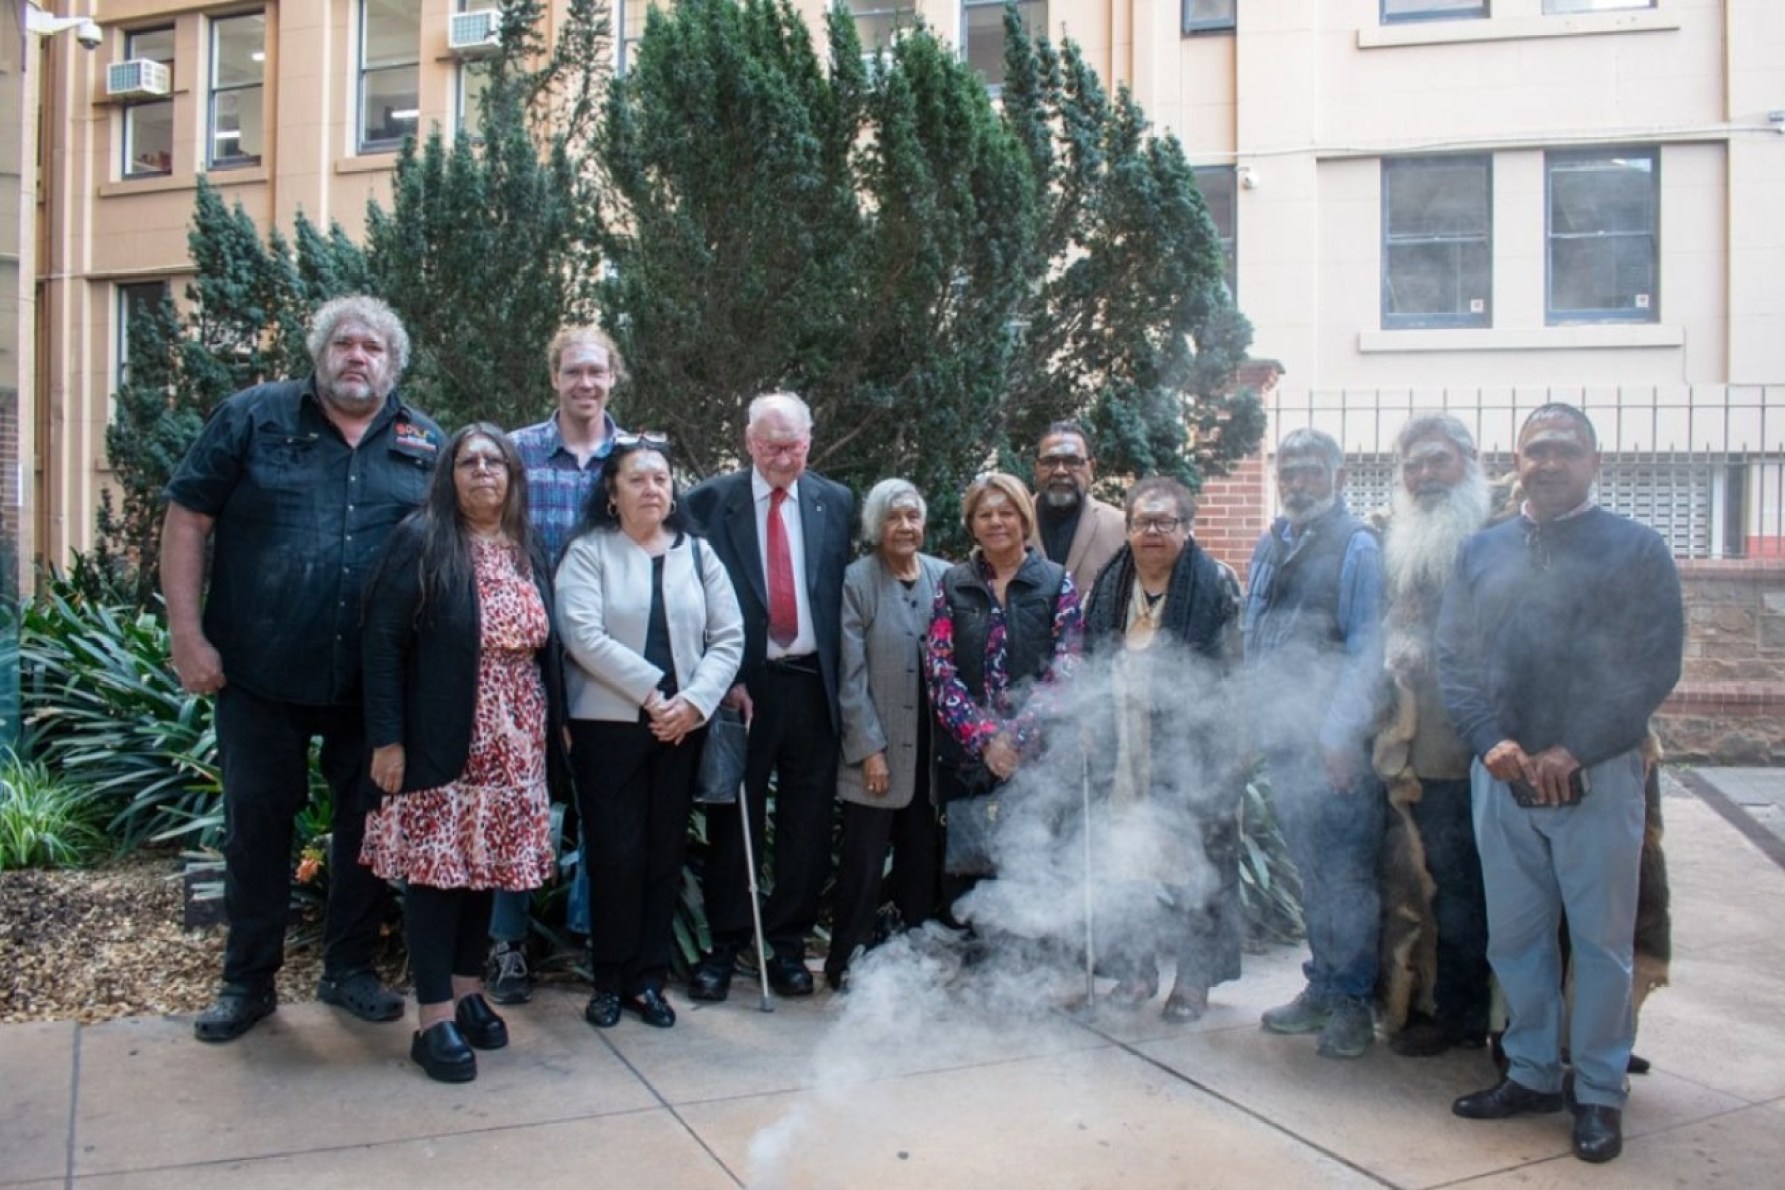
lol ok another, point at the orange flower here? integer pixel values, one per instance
(309, 866)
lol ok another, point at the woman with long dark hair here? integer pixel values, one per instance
(462, 693)
(653, 628)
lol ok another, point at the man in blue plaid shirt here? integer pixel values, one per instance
(563, 456)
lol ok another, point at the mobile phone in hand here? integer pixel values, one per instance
(1525, 794)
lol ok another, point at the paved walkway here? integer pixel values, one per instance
(910, 1087)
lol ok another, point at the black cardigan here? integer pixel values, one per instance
(421, 666)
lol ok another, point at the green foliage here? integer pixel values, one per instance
(103, 709)
(1270, 888)
(45, 821)
(487, 248)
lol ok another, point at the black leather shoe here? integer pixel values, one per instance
(652, 1008)
(603, 1010)
(1598, 1132)
(1506, 1100)
(234, 1013)
(440, 1050)
(480, 1024)
(711, 978)
(789, 977)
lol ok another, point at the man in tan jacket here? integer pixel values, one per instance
(1071, 528)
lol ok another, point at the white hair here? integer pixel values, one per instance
(781, 401)
(1424, 538)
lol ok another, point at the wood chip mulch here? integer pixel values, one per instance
(94, 944)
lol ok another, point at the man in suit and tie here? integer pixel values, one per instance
(1071, 528)
(783, 535)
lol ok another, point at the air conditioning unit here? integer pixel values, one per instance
(137, 78)
(473, 34)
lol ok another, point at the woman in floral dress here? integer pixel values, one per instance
(463, 694)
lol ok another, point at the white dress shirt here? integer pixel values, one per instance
(760, 488)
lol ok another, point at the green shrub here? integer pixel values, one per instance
(102, 706)
(44, 820)
(1270, 889)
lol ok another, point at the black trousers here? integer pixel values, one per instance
(448, 932)
(862, 886)
(1447, 831)
(635, 794)
(264, 748)
(791, 739)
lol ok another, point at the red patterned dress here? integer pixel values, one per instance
(491, 827)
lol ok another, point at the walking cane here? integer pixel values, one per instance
(1090, 940)
(762, 957)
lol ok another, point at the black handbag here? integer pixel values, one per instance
(722, 758)
(970, 827)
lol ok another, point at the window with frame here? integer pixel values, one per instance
(136, 299)
(878, 22)
(149, 127)
(982, 34)
(1209, 16)
(1394, 11)
(633, 14)
(1437, 242)
(389, 73)
(238, 89)
(1220, 192)
(473, 77)
(1603, 223)
(1560, 7)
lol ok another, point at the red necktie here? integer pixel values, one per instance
(784, 608)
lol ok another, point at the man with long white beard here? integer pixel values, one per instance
(1433, 872)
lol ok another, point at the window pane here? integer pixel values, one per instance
(474, 79)
(877, 20)
(1208, 14)
(157, 45)
(631, 22)
(388, 107)
(1432, 10)
(134, 300)
(1560, 6)
(149, 138)
(392, 33)
(1437, 242)
(238, 50)
(983, 35)
(236, 125)
(1220, 192)
(1603, 220)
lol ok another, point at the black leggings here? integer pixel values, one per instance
(448, 932)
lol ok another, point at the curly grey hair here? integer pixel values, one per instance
(882, 498)
(368, 312)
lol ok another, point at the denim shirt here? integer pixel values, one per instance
(301, 518)
(1349, 693)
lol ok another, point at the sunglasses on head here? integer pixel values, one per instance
(648, 438)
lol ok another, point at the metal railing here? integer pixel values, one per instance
(1704, 465)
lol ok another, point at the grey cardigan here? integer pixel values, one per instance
(604, 608)
(882, 668)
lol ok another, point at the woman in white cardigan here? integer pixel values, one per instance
(652, 625)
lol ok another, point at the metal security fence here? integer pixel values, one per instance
(1704, 465)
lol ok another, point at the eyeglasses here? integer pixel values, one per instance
(474, 460)
(1157, 524)
(648, 438)
(1061, 462)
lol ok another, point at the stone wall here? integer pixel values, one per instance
(1729, 707)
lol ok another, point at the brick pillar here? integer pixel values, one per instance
(1232, 511)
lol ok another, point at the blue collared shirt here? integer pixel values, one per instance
(557, 485)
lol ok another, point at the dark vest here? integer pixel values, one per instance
(1302, 607)
(1029, 600)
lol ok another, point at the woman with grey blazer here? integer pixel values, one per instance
(884, 780)
(650, 620)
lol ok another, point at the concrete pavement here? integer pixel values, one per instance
(935, 1092)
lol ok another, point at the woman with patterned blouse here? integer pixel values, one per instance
(1006, 622)
(462, 690)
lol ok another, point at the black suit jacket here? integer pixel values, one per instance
(421, 664)
(724, 510)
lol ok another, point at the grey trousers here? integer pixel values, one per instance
(1537, 864)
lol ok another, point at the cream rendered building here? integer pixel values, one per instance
(1448, 200)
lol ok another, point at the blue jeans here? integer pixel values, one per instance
(1536, 864)
(508, 920)
(1334, 838)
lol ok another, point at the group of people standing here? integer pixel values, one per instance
(475, 625)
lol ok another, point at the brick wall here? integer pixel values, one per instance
(1729, 707)
(1230, 514)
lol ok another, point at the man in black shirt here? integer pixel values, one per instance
(296, 484)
